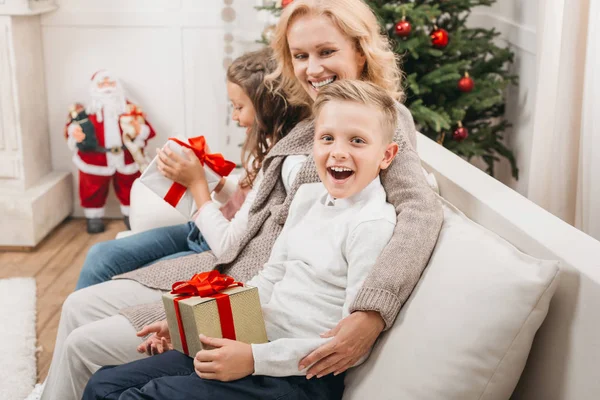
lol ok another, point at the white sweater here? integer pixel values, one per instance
(317, 266)
(221, 233)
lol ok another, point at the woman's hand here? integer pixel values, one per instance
(157, 343)
(352, 338)
(228, 361)
(187, 170)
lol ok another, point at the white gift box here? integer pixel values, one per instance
(156, 182)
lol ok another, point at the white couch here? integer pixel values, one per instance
(564, 358)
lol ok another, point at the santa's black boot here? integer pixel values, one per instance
(126, 220)
(95, 225)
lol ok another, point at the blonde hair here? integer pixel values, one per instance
(356, 20)
(365, 93)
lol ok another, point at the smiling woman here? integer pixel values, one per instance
(318, 42)
(316, 62)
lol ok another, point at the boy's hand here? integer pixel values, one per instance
(186, 170)
(157, 343)
(228, 361)
(352, 338)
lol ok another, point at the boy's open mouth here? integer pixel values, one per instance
(340, 173)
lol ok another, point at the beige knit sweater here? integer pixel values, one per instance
(395, 273)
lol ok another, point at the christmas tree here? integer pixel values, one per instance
(455, 75)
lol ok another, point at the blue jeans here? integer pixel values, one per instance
(107, 259)
(171, 376)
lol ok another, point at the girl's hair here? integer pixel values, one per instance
(356, 20)
(274, 116)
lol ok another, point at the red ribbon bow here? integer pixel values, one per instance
(214, 161)
(207, 284)
(204, 284)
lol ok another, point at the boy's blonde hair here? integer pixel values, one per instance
(356, 20)
(365, 93)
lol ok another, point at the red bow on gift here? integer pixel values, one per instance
(215, 161)
(207, 284)
(204, 284)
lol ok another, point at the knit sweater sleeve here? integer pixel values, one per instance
(419, 220)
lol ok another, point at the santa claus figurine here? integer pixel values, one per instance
(108, 137)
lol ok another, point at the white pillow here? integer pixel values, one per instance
(467, 328)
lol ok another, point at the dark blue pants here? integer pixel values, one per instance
(107, 259)
(171, 376)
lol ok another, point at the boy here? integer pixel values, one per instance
(333, 235)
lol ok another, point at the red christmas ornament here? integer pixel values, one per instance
(402, 28)
(461, 133)
(285, 3)
(466, 84)
(439, 38)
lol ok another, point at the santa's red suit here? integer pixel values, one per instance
(114, 161)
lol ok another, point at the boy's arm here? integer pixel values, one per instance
(272, 273)
(280, 357)
(363, 246)
(274, 269)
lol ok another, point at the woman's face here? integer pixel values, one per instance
(321, 53)
(243, 110)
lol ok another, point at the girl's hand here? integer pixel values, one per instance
(157, 343)
(352, 338)
(187, 170)
(228, 361)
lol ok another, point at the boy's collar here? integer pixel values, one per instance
(328, 200)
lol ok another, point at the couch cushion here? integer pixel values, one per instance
(467, 328)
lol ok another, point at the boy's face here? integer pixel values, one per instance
(350, 147)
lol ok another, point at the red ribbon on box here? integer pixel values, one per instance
(215, 161)
(207, 284)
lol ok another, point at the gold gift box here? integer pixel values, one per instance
(201, 315)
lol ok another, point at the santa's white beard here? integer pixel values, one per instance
(109, 102)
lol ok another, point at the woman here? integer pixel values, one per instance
(317, 41)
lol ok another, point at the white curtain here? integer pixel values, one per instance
(565, 161)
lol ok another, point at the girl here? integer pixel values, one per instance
(267, 119)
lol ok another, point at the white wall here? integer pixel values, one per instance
(516, 20)
(169, 55)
